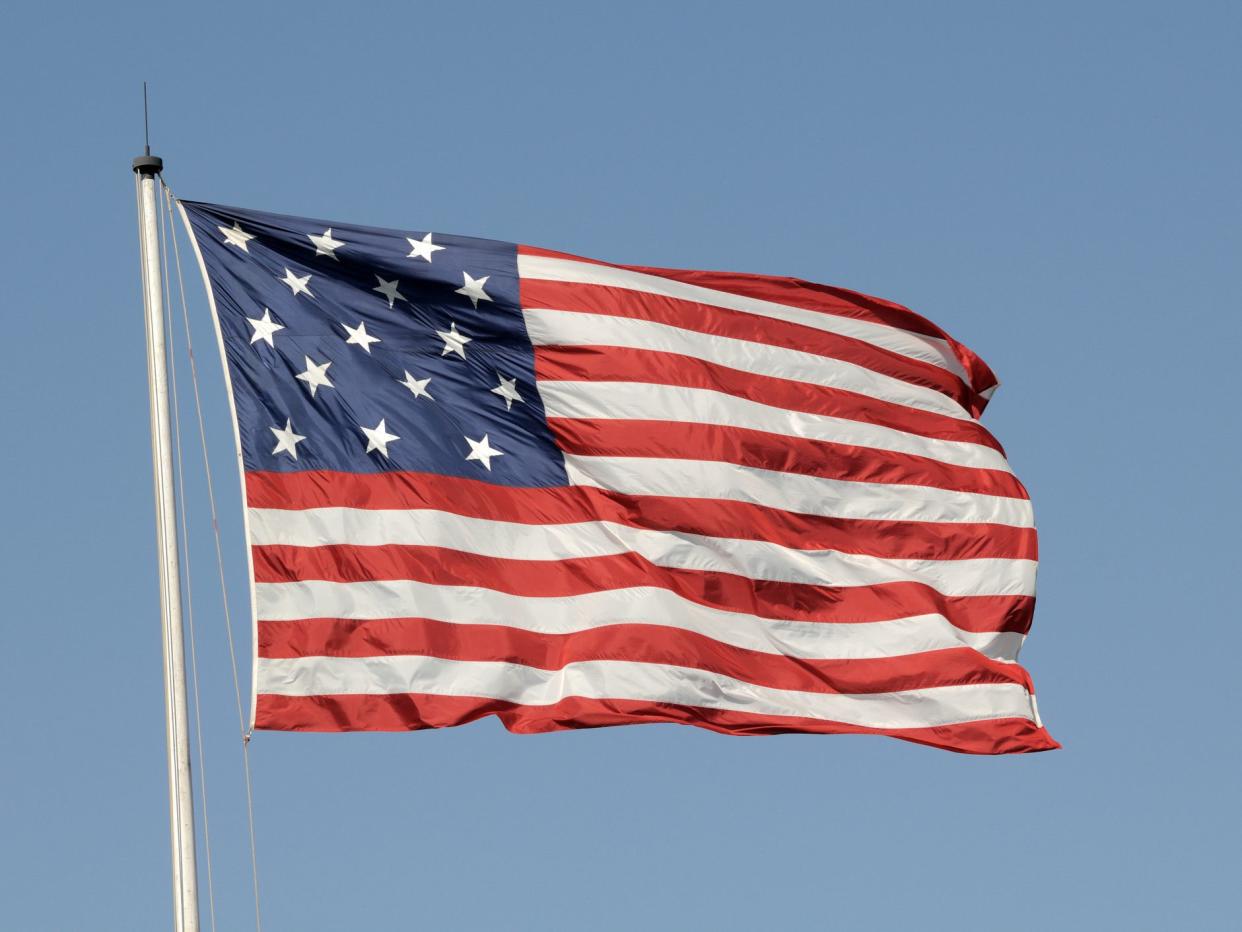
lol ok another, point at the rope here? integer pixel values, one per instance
(169, 197)
(187, 576)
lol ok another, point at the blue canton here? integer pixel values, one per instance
(356, 349)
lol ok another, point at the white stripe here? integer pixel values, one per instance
(612, 679)
(364, 527)
(651, 605)
(930, 349)
(646, 401)
(813, 495)
(569, 328)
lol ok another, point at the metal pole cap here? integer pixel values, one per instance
(148, 164)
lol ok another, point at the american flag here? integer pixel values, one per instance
(488, 479)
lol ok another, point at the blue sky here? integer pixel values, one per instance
(1056, 184)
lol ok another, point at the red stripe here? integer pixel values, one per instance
(414, 711)
(635, 643)
(812, 296)
(843, 302)
(739, 325)
(558, 578)
(567, 504)
(762, 450)
(824, 298)
(619, 364)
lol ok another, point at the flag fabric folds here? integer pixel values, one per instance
(489, 479)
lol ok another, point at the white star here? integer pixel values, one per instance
(378, 438)
(454, 342)
(507, 389)
(473, 288)
(325, 245)
(315, 376)
(286, 440)
(482, 451)
(236, 236)
(297, 285)
(389, 290)
(422, 248)
(360, 336)
(417, 386)
(264, 327)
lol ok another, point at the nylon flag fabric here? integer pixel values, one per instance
(488, 479)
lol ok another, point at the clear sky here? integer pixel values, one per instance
(1057, 184)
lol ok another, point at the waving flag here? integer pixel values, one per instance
(488, 479)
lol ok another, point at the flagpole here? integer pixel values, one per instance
(180, 792)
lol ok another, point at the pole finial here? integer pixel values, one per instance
(147, 164)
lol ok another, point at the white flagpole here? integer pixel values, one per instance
(180, 793)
